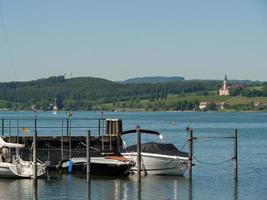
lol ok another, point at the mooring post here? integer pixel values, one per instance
(88, 156)
(70, 139)
(190, 154)
(9, 130)
(99, 127)
(62, 144)
(35, 151)
(235, 158)
(48, 152)
(3, 126)
(138, 152)
(17, 131)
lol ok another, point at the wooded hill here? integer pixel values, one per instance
(88, 93)
(85, 92)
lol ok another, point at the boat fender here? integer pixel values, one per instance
(70, 165)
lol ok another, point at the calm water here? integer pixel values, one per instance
(209, 181)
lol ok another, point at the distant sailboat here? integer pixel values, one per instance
(55, 107)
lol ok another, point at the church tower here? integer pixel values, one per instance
(224, 90)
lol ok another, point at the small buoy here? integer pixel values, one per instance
(173, 123)
(70, 165)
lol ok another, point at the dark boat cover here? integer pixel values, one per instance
(158, 148)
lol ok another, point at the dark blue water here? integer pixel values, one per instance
(210, 181)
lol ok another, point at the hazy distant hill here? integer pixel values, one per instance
(154, 79)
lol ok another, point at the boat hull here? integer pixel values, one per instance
(100, 166)
(158, 164)
(24, 170)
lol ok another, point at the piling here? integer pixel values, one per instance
(70, 139)
(34, 150)
(17, 131)
(62, 144)
(190, 150)
(235, 154)
(138, 152)
(88, 156)
(99, 127)
(69, 136)
(9, 130)
(35, 159)
(3, 126)
(48, 152)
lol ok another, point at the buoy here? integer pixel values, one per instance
(70, 165)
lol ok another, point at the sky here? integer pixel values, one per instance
(120, 39)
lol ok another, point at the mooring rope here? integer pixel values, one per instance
(214, 137)
(181, 148)
(213, 163)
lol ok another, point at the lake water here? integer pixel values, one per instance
(210, 181)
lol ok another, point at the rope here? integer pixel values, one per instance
(181, 148)
(214, 137)
(213, 163)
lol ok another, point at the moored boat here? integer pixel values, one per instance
(12, 166)
(100, 166)
(158, 158)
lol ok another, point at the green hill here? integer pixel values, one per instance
(89, 93)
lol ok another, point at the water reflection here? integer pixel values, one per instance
(89, 190)
(34, 190)
(15, 189)
(75, 187)
(235, 189)
(159, 187)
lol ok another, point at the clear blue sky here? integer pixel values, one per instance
(120, 39)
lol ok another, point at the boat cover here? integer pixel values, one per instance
(158, 148)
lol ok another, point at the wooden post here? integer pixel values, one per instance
(88, 156)
(62, 144)
(3, 126)
(102, 141)
(17, 139)
(34, 150)
(138, 152)
(235, 158)
(69, 140)
(99, 126)
(48, 152)
(9, 130)
(190, 150)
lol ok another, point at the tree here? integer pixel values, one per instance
(211, 106)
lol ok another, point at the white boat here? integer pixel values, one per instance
(158, 158)
(12, 166)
